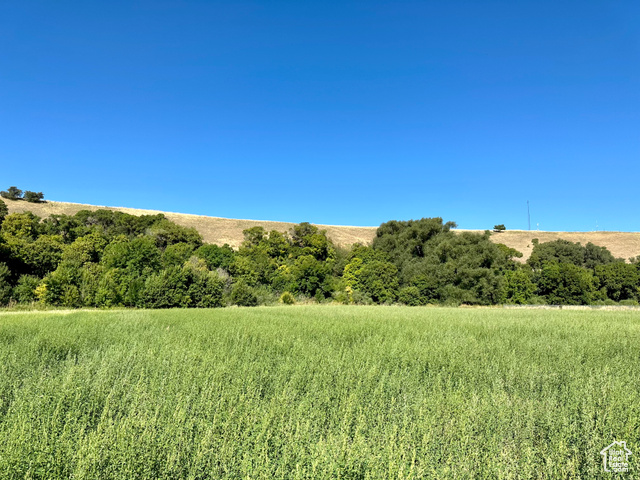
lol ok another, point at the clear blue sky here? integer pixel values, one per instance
(330, 112)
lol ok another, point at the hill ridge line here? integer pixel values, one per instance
(221, 230)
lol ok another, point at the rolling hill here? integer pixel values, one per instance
(226, 230)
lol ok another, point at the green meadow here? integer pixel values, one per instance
(317, 392)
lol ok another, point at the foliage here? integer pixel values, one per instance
(444, 266)
(176, 254)
(183, 287)
(311, 276)
(168, 233)
(499, 228)
(411, 296)
(563, 251)
(620, 281)
(518, 287)
(20, 226)
(5, 286)
(215, 256)
(370, 273)
(12, 193)
(4, 211)
(243, 295)
(287, 298)
(33, 197)
(566, 284)
(105, 258)
(25, 290)
(135, 255)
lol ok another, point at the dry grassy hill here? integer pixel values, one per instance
(225, 230)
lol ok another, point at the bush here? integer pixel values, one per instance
(566, 284)
(215, 256)
(33, 197)
(5, 287)
(20, 226)
(25, 290)
(411, 296)
(629, 302)
(166, 289)
(518, 287)
(176, 254)
(243, 295)
(4, 210)
(287, 298)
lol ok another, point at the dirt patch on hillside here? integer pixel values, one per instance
(226, 230)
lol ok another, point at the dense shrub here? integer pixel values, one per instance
(4, 211)
(176, 254)
(444, 266)
(565, 283)
(135, 255)
(25, 290)
(620, 281)
(411, 296)
(215, 256)
(243, 295)
(5, 286)
(20, 226)
(518, 287)
(287, 298)
(563, 251)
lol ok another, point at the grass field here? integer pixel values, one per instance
(317, 392)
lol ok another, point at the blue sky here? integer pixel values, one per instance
(331, 112)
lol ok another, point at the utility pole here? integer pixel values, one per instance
(528, 215)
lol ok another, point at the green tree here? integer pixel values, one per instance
(137, 255)
(85, 249)
(61, 287)
(33, 197)
(311, 275)
(243, 295)
(20, 226)
(25, 289)
(167, 233)
(176, 254)
(369, 272)
(4, 211)
(563, 251)
(5, 285)
(595, 255)
(518, 287)
(12, 193)
(40, 256)
(215, 256)
(499, 228)
(411, 296)
(620, 281)
(565, 284)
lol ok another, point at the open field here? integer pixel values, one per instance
(317, 392)
(225, 230)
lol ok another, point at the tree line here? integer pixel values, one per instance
(105, 258)
(14, 193)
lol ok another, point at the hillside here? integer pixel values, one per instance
(226, 230)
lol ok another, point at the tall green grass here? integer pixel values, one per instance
(317, 392)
